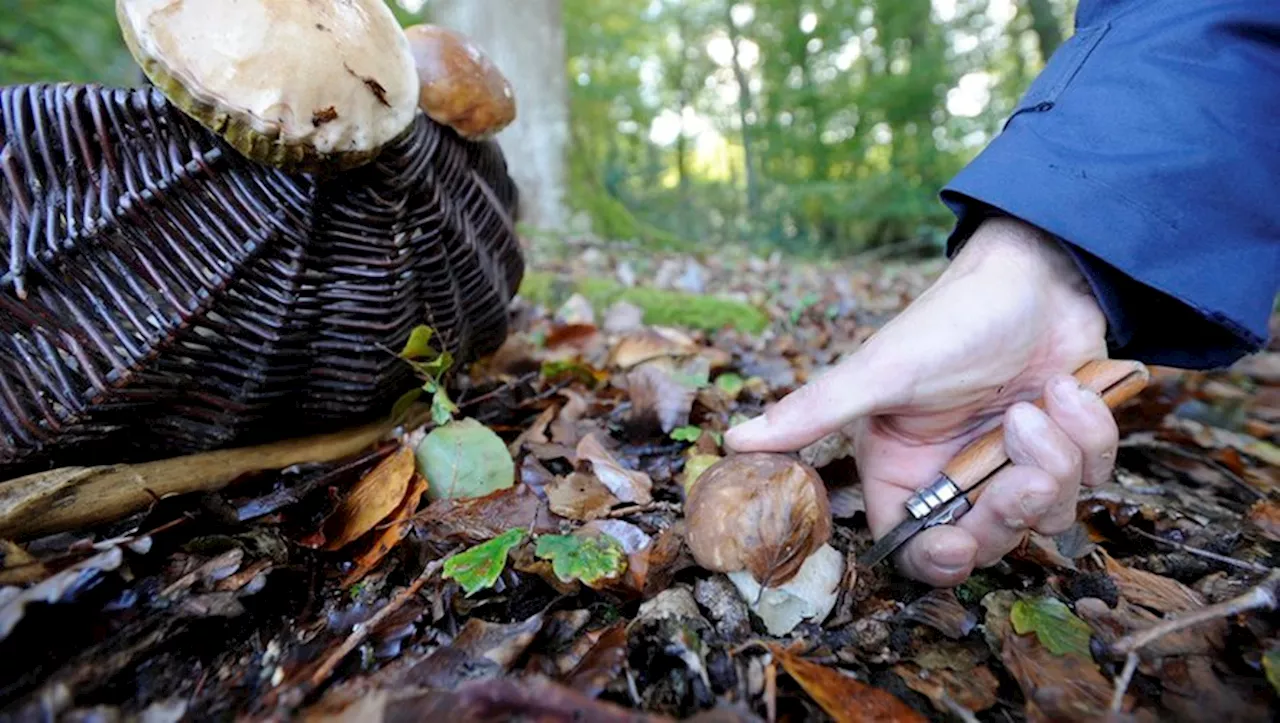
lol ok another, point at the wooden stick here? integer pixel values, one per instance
(70, 498)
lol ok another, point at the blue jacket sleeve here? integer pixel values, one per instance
(1150, 146)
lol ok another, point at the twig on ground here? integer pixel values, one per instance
(650, 507)
(1262, 597)
(362, 630)
(1224, 559)
(70, 498)
(523, 379)
(1122, 682)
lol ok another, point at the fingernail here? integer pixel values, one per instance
(947, 558)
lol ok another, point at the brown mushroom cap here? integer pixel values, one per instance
(298, 85)
(459, 86)
(761, 512)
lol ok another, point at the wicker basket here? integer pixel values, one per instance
(162, 294)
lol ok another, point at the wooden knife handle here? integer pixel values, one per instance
(1117, 381)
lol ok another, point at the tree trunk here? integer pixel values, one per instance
(526, 39)
(744, 109)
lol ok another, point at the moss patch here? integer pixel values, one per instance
(665, 308)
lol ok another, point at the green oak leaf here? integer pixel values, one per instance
(464, 459)
(478, 567)
(591, 559)
(1057, 628)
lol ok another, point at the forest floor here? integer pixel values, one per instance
(358, 590)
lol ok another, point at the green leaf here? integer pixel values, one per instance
(1271, 665)
(731, 384)
(687, 433)
(464, 459)
(405, 401)
(477, 568)
(590, 559)
(419, 343)
(442, 407)
(1057, 628)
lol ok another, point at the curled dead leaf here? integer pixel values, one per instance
(658, 399)
(390, 533)
(761, 512)
(625, 484)
(650, 343)
(369, 502)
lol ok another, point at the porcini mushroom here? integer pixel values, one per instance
(764, 520)
(459, 86)
(298, 85)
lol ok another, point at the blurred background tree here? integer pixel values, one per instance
(814, 126)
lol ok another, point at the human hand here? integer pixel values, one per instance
(1008, 321)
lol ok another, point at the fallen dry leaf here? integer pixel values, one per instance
(579, 496)
(658, 400)
(973, 689)
(602, 663)
(369, 502)
(843, 697)
(1264, 515)
(63, 586)
(390, 533)
(564, 430)
(489, 700)
(625, 484)
(1157, 592)
(942, 611)
(483, 518)
(650, 343)
(17, 566)
(1056, 687)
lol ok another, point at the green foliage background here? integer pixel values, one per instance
(839, 144)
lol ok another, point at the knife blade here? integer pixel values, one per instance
(962, 481)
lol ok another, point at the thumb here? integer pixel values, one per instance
(853, 389)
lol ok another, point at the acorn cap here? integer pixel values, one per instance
(300, 85)
(460, 86)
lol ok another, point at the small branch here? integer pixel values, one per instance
(1261, 597)
(362, 630)
(635, 509)
(70, 498)
(1251, 566)
(1122, 682)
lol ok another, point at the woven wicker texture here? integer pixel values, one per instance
(161, 294)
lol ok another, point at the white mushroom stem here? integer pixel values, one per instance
(810, 595)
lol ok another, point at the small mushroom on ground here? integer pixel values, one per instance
(459, 86)
(764, 520)
(302, 86)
